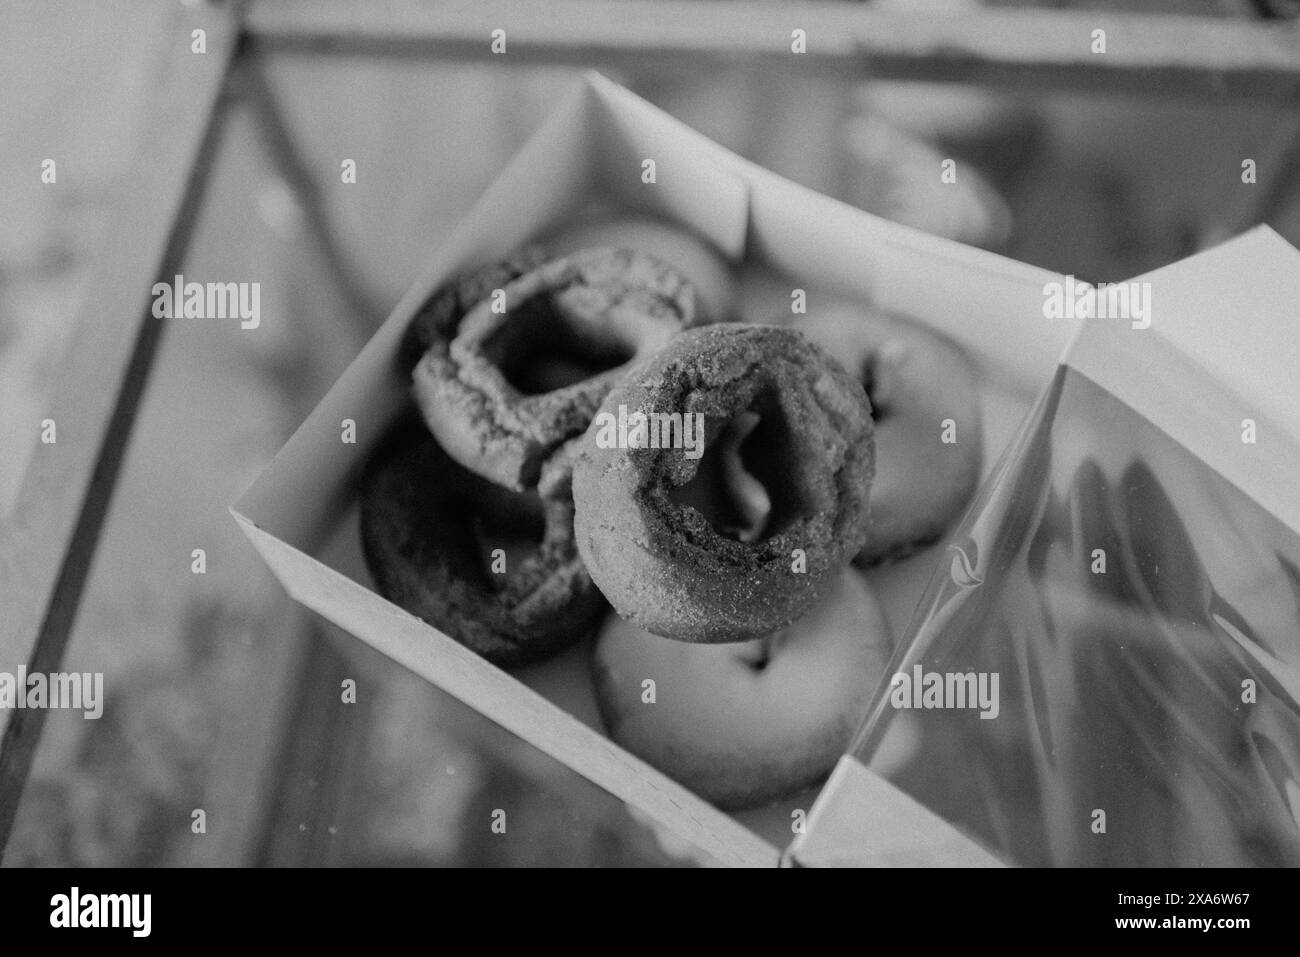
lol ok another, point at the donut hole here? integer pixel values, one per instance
(747, 483)
(542, 349)
(774, 454)
(870, 377)
(886, 378)
(756, 655)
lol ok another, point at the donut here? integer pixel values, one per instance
(916, 379)
(524, 373)
(734, 539)
(712, 277)
(439, 318)
(429, 530)
(746, 723)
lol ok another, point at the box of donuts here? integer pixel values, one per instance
(1105, 668)
(653, 466)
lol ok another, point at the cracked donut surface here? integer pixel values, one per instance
(679, 567)
(524, 368)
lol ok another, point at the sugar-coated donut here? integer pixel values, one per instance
(926, 407)
(746, 723)
(738, 541)
(439, 318)
(702, 266)
(525, 371)
(431, 531)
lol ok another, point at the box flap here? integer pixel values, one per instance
(694, 184)
(980, 299)
(1221, 354)
(861, 820)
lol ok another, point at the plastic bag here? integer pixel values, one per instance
(1142, 616)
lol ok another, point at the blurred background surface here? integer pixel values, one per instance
(1104, 187)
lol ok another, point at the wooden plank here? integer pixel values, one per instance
(1035, 50)
(48, 544)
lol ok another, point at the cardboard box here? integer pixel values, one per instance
(300, 513)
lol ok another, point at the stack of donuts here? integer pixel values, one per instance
(718, 582)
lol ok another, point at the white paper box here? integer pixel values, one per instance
(300, 512)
